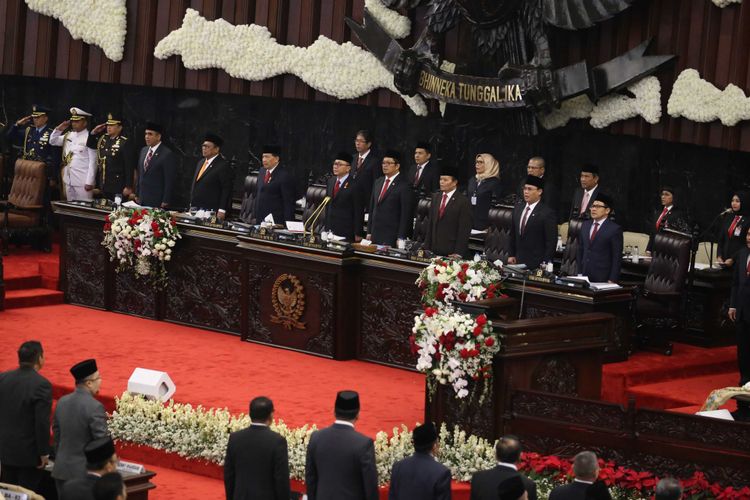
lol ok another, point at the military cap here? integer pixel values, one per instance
(37, 110)
(114, 119)
(78, 114)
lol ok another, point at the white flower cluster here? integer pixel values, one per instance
(724, 3)
(446, 280)
(576, 107)
(700, 101)
(393, 23)
(616, 107)
(465, 454)
(391, 449)
(250, 52)
(98, 22)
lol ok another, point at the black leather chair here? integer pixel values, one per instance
(660, 305)
(569, 264)
(313, 198)
(24, 209)
(248, 200)
(497, 240)
(421, 219)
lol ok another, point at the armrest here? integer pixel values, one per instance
(8, 204)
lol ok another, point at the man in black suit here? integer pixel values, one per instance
(340, 461)
(212, 181)
(421, 476)
(537, 167)
(156, 171)
(391, 206)
(586, 471)
(485, 484)
(275, 192)
(424, 175)
(585, 193)
(344, 213)
(600, 249)
(365, 164)
(110, 487)
(534, 234)
(100, 459)
(449, 222)
(25, 405)
(739, 312)
(257, 460)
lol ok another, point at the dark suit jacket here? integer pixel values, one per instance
(728, 246)
(80, 488)
(341, 465)
(25, 406)
(420, 477)
(570, 491)
(550, 195)
(365, 176)
(740, 296)
(538, 242)
(214, 189)
(575, 205)
(391, 218)
(668, 219)
(483, 192)
(484, 484)
(277, 197)
(450, 234)
(156, 186)
(256, 466)
(344, 213)
(600, 259)
(429, 181)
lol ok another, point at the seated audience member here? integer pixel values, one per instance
(390, 204)
(344, 213)
(421, 476)
(585, 193)
(668, 488)
(257, 459)
(731, 229)
(534, 235)
(512, 489)
(586, 471)
(482, 187)
(600, 248)
(485, 484)
(424, 174)
(449, 222)
(100, 459)
(666, 216)
(110, 487)
(536, 167)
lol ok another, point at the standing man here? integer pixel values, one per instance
(600, 251)
(78, 166)
(484, 484)
(424, 175)
(391, 216)
(739, 312)
(421, 476)
(33, 133)
(101, 459)
(340, 461)
(110, 487)
(212, 181)
(449, 223)
(534, 234)
(537, 167)
(79, 420)
(584, 195)
(156, 172)
(586, 471)
(344, 213)
(365, 164)
(276, 189)
(257, 459)
(25, 403)
(114, 156)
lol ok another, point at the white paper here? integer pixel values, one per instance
(294, 226)
(365, 242)
(604, 286)
(478, 231)
(723, 414)
(131, 204)
(269, 219)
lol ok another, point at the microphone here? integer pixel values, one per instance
(315, 215)
(727, 211)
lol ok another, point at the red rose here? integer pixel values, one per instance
(478, 330)
(437, 271)
(461, 276)
(107, 226)
(481, 320)
(474, 353)
(154, 226)
(489, 341)
(429, 311)
(464, 266)
(137, 244)
(463, 353)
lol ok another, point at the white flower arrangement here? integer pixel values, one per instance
(724, 3)
(577, 107)
(250, 52)
(393, 23)
(446, 280)
(700, 101)
(99, 22)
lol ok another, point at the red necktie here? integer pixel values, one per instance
(417, 176)
(733, 225)
(336, 188)
(594, 231)
(658, 221)
(147, 162)
(267, 177)
(385, 188)
(525, 218)
(442, 206)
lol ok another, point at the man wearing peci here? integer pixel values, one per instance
(390, 204)
(212, 181)
(585, 193)
(156, 171)
(344, 212)
(101, 459)
(534, 234)
(424, 175)
(449, 222)
(600, 251)
(421, 476)
(275, 192)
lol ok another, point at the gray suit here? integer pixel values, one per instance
(79, 419)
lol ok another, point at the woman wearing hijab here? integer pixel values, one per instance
(730, 233)
(665, 216)
(482, 187)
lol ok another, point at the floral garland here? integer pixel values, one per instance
(141, 240)
(446, 280)
(393, 23)
(700, 101)
(724, 3)
(203, 434)
(99, 22)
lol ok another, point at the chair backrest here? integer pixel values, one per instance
(704, 255)
(248, 199)
(29, 182)
(640, 240)
(313, 198)
(569, 264)
(497, 240)
(421, 219)
(670, 259)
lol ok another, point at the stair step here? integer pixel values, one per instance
(21, 282)
(32, 297)
(681, 393)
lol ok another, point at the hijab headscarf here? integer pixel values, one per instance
(491, 167)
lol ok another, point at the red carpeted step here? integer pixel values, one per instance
(32, 297)
(22, 282)
(680, 393)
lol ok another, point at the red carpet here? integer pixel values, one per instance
(31, 278)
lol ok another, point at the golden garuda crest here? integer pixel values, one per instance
(288, 300)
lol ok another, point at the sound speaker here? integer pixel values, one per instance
(151, 383)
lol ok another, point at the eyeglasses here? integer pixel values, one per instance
(341, 164)
(389, 162)
(599, 206)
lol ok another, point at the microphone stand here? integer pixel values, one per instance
(314, 217)
(707, 231)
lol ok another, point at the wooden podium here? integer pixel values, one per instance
(560, 355)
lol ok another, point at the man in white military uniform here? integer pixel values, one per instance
(78, 168)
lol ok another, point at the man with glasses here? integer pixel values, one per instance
(537, 167)
(79, 420)
(101, 459)
(534, 234)
(212, 182)
(600, 249)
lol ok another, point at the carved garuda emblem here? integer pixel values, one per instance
(288, 300)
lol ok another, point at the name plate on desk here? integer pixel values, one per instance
(130, 468)
(541, 276)
(312, 244)
(420, 258)
(213, 223)
(13, 495)
(263, 234)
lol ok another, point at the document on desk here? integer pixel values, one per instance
(295, 226)
(475, 232)
(604, 286)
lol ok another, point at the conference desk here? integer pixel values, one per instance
(336, 303)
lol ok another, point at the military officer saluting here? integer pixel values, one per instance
(33, 133)
(114, 158)
(78, 167)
